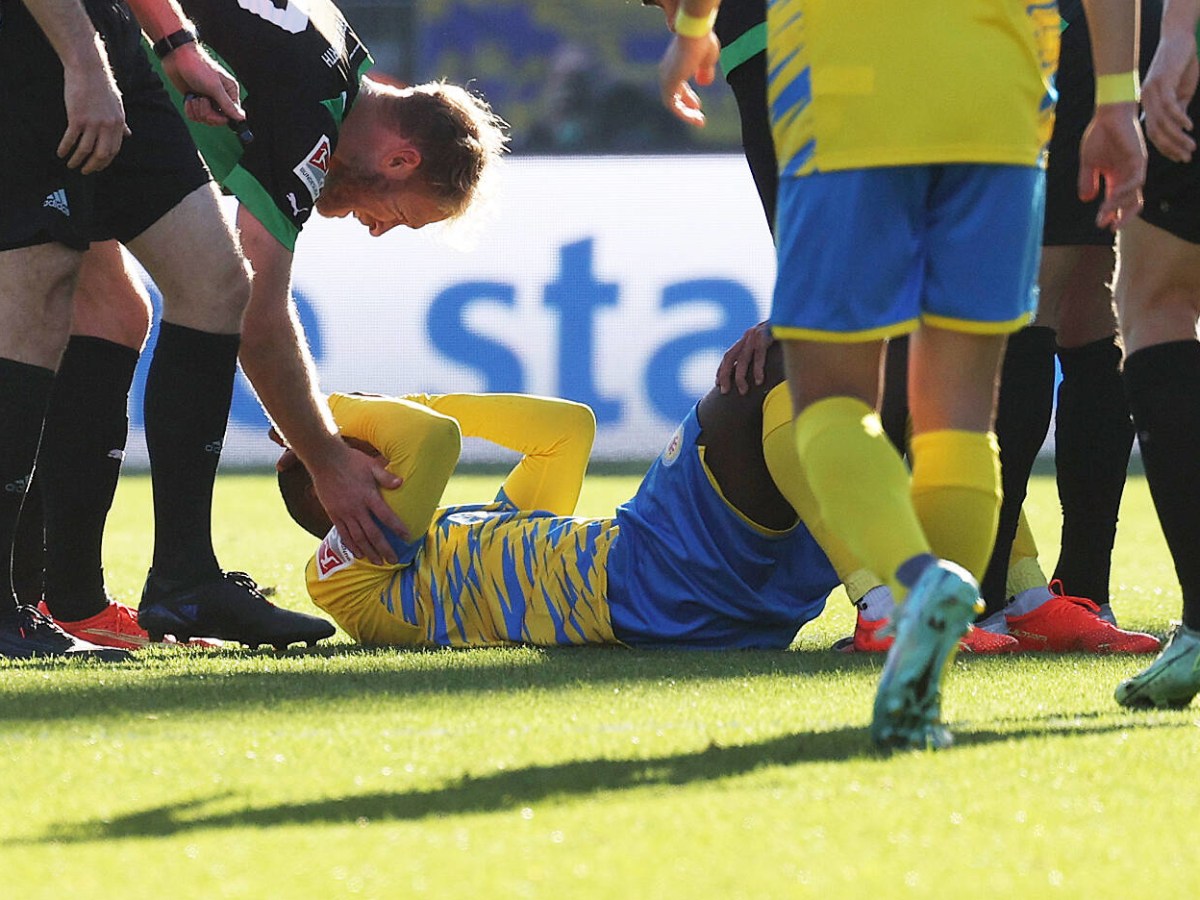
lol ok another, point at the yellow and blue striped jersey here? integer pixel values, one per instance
(677, 565)
(875, 83)
(484, 575)
(518, 570)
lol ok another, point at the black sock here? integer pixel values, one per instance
(893, 410)
(83, 445)
(1163, 382)
(29, 547)
(24, 392)
(1093, 435)
(188, 392)
(1022, 421)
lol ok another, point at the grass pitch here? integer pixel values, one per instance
(583, 773)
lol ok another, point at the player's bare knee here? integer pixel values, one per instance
(232, 289)
(110, 300)
(215, 302)
(36, 286)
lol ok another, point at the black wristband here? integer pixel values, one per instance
(173, 41)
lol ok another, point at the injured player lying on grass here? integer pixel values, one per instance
(709, 553)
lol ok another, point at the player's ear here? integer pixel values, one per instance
(401, 161)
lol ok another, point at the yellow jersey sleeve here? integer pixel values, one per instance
(420, 445)
(553, 436)
(482, 575)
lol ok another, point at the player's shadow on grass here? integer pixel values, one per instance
(508, 790)
(227, 682)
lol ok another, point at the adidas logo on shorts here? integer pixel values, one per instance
(57, 200)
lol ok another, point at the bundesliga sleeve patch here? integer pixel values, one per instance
(315, 166)
(332, 555)
(671, 453)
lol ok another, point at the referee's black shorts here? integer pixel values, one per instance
(44, 201)
(1172, 191)
(1069, 221)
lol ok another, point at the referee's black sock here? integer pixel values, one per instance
(1163, 383)
(24, 393)
(188, 392)
(1093, 435)
(1022, 420)
(83, 445)
(29, 547)
(893, 410)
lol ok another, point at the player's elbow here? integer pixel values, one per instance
(579, 424)
(444, 438)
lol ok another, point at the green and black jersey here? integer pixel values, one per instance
(741, 27)
(299, 66)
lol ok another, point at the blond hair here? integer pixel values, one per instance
(458, 135)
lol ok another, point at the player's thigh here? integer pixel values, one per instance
(193, 257)
(817, 370)
(1075, 293)
(850, 254)
(158, 165)
(110, 300)
(1077, 258)
(1069, 220)
(953, 379)
(1158, 260)
(36, 284)
(983, 247)
(158, 200)
(1157, 286)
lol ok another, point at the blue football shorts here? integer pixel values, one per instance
(867, 254)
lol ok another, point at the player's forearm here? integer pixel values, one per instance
(276, 359)
(535, 426)
(70, 32)
(275, 355)
(1180, 17)
(554, 436)
(699, 9)
(1113, 26)
(279, 366)
(159, 18)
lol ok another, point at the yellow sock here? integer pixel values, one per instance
(1024, 572)
(956, 492)
(779, 451)
(861, 485)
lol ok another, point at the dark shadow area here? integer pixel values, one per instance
(509, 790)
(480, 672)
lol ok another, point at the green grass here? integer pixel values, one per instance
(585, 773)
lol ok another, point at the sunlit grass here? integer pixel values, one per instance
(581, 773)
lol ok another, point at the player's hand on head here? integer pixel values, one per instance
(687, 59)
(747, 355)
(1168, 89)
(1113, 154)
(349, 491)
(211, 95)
(95, 118)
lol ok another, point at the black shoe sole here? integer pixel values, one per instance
(159, 621)
(104, 654)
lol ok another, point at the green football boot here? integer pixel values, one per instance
(1172, 680)
(928, 626)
